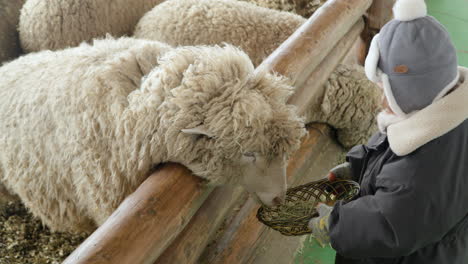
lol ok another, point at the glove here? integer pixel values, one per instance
(341, 172)
(319, 225)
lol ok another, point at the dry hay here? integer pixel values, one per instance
(23, 239)
(295, 210)
(292, 217)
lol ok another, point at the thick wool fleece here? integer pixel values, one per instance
(82, 127)
(57, 24)
(9, 42)
(257, 30)
(350, 104)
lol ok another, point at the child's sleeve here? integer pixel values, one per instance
(356, 157)
(419, 199)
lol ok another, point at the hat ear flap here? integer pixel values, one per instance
(373, 73)
(390, 97)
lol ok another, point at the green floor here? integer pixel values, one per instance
(454, 15)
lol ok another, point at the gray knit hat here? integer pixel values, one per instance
(413, 57)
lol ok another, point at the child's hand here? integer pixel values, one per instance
(340, 172)
(319, 225)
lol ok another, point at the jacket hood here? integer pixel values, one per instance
(432, 121)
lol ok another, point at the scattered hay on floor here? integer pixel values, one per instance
(23, 239)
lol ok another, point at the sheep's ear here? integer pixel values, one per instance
(199, 130)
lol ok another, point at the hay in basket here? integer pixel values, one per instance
(292, 217)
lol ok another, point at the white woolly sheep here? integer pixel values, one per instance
(82, 127)
(57, 24)
(350, 103)
(9, 43)
(259, 31)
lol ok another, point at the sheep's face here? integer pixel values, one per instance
(264, 178)
(249, 136)
(262, 175)
(234, 123)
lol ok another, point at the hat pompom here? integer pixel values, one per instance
(407, 10)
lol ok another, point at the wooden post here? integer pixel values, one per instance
(308, 95)
(189, 245)
(301, 53)
(379, 13)
(148, 221)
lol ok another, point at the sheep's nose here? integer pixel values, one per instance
(277, 201)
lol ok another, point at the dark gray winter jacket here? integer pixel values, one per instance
(411, 208)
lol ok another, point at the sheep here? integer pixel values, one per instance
(256, 30)
(82, 127)
(259, 31)
(350, 104)
(57, 24)
(9, 43)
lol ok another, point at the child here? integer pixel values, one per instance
(413, 203)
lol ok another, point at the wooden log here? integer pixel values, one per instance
(307, 97)
(301, 53)
(189, 245)
(380, 12)
(147, 221)
(244, 234)
(357, 54)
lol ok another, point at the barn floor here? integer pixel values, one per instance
(453, 15)
(23, 239)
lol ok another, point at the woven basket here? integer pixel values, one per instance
(322, 191)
